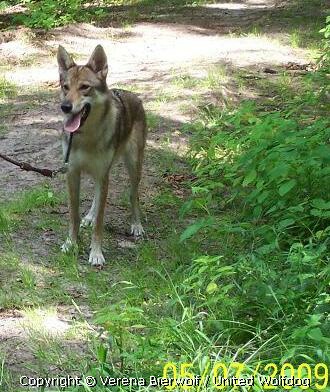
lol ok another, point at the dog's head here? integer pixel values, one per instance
(81, 86)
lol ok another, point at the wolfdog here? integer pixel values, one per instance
(105, 123)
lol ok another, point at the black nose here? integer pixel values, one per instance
(66, 107)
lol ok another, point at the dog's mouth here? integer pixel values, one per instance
(77, 120)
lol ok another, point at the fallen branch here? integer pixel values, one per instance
(27, 167)
(45, 172)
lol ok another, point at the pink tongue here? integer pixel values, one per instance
(73, 123)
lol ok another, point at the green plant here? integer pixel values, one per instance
(279, 165)
(4, 222)
(41, 196)
(325, 56)
(7, 89)
(51, 13)
(270, 169)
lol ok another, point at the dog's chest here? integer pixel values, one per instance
(94, 162)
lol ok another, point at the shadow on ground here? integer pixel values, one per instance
(223, 17)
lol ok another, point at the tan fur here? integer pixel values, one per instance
(116, 125)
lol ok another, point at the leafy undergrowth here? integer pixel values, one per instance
(47, 14)
(272, 169)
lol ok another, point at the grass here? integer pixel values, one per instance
(293, 34)
(215, 77)
(37, 197)
(297, 25)
(3, 5)
(152, 121)
(185, 81)
(3, 130)
(307, 37)
(7, 89)
(4, 223)
(157, 2)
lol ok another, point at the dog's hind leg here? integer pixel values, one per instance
(133, 158)
(101, 190)
(89, 219)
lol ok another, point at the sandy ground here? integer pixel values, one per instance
(144, 54)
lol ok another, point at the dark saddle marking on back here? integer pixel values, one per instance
(117, 94)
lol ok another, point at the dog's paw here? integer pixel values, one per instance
(96, 259)
(137, 230)
(68, 245)
(87, 221)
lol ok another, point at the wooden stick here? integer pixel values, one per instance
(45, 172)
(27, 167)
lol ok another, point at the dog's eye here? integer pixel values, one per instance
(65, 87)
(84, 87)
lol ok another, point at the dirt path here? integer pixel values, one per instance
(145, 56)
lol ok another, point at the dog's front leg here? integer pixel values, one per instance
(73, 183)
(101, 192)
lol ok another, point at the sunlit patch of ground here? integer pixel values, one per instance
(242, 5)
(41, 339)
(151, 50)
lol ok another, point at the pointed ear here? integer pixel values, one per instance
(64, 60)
(98, 62)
